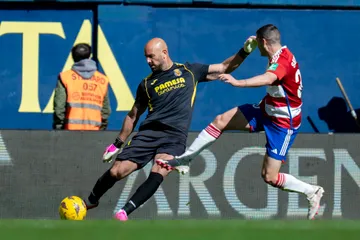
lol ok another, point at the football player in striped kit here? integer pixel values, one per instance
(278, 114)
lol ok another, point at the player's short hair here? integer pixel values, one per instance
(270, 33)
(81, 51)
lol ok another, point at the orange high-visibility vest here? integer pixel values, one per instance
(84, 101)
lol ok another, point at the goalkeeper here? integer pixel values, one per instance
(168, 93)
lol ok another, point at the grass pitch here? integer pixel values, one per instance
(179, 229)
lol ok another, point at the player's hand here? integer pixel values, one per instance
(228, 79)
(250, 44)
(109, 153)
(112, 150)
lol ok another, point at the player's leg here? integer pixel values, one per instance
(169, 145)
(146, 190)
(287, 182)
(135, 155)
(118, 171)
(239, 118)
(279, 142)
(271, 175)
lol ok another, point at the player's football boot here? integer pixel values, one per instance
(121, 216)
(314, 202)
(180, 164)
(90, 205)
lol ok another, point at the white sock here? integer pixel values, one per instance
(288, 182)
(205, 138)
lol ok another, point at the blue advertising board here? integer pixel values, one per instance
(274, 3)
(35, 47)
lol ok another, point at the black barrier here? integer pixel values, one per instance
(39, 168)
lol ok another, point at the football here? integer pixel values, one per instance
(72, 208)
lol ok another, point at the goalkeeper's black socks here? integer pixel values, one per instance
(104, 183)
(144, 192)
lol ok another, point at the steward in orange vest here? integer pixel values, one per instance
(81, 99)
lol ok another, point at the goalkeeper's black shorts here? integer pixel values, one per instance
(143, 147)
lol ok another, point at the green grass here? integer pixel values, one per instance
(176, 230)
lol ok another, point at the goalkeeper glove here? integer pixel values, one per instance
(250, 44)
(112, 150)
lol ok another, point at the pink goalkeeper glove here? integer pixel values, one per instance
(112, 150)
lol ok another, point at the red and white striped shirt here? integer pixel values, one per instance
(282, 102)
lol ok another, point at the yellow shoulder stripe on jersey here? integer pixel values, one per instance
(195, 83)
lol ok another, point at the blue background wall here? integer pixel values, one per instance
(320, 39)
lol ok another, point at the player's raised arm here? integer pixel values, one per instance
(276, 71)
(233, 62)
(129, 123)
(258, 81)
